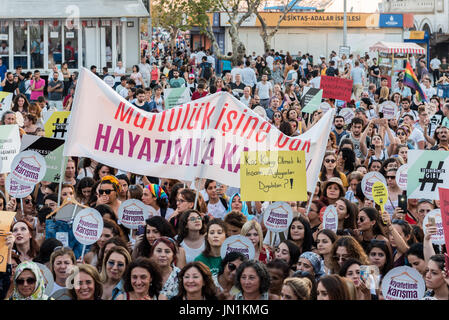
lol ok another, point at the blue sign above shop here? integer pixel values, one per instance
(391, 20)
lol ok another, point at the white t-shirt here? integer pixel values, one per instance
(218, 210)
(245, 101)
(315, 82)
(416, 136)
(234, 71)
(429, 92)
(191, 254)
(121, 71)
(435, 63)
(270, 61)
(264, 89)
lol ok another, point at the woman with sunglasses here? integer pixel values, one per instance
(329, 169)
(277, 119)
(215, 236)
(163, 253)
(29, 284)
(403, 133)
(252, 230)
(108, 191)
(369, 226)
(393, 192)
(61, 262)
(114, 266)
(225, 279)
(344, 248)
(191, 234)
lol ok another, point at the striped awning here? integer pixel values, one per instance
(397, 47)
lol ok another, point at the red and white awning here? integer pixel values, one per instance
(397, 47)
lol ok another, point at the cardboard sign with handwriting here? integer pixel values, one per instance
(6, 218)
(273, 176)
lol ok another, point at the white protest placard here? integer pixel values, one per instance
(368, 181)
(401, 176)
(403, 283)
(175, 96)
(330, 218)
(389, 109)
(16, 189)
(439, 237)
(9, 146)
(238, 243)
(348, 114)
(278, 216)
(28, 168)
(87, 226)
(325, 107)
(132, 213)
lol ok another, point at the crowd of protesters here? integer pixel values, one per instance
(177, 255)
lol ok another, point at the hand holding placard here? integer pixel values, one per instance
(380, 196)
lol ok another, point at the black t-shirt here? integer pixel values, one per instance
(375, 70)
(237, 89)
(331, 71)
(10, 86)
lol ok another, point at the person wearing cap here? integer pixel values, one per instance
(332, 190)
(191, 83)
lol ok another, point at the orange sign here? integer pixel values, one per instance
(318, 19)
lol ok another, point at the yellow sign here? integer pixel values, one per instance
(57, 125)
(380, 194)
(6, 218)
(273, 176)
(417, 35)
(319, 19)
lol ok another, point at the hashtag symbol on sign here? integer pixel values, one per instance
(434, 179)
(60, 127)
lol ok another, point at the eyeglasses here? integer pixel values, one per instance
(390, 177)
(231, 266)
(107, 191)
(113, 263)
(27, 280)
(400, 133)
(28, 201)
(330, 160)
(193, 219)
(180, 200)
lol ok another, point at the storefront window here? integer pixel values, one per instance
(4, 43)
(108, 38)
(54, 43)
(36, 45)
(71, 47)
(20, 44)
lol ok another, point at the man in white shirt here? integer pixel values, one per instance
(429, 91)
(270, 61)
(264, 90)
(119, 71)
(435, 64)
(236, 70)
(246, 98)
(248, 75)
(416, 137)
(199, 56)
(145, 70)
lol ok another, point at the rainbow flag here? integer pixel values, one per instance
(411, 81)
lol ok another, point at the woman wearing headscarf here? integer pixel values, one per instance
(28, 283)
(155, 196)
(236, 203)
(311, 262)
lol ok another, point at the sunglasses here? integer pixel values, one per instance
(390, 177)
(28, 201)
(27, 280)
(231, 266)
(277, 116)
(330, 160)
(61, 248)
(193, 219)
(342, 258)
(113, 263)
(400, 133)
(107, 191)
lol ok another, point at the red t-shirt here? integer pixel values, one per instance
(197, 95)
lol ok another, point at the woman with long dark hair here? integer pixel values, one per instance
(300, 234)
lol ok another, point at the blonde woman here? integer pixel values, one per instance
(252, 230)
